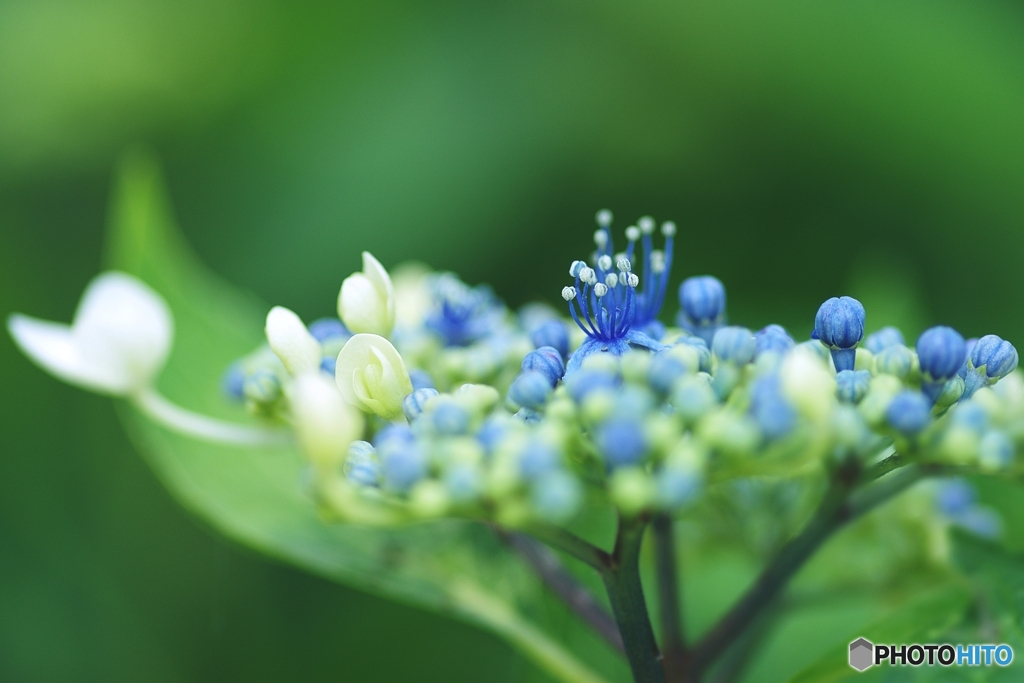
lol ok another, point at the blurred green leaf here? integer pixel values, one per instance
(254, 496)
(922, 619)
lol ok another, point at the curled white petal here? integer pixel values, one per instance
(118, 342)
(298, 350)
(371, 375)
(324, 422)
(366, 302)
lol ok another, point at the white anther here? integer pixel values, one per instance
(604, 218)
(600, 238)
(668, 229)
(624, 265)
(646, 225)
(576, 267)
(632, 233)
(612, 280)
(588, 275)
(604, 262)
(632, 279)
(600, 289)
(657, 261)
(568, 293)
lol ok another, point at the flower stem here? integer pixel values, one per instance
(184, 421)
(626, 594)
(672, 636)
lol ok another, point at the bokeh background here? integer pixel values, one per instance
(805, 150)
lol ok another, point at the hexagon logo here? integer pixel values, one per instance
(861, 654)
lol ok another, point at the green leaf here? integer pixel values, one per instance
(921, 620)
(254, 495)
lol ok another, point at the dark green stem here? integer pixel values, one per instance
(571, 544)
(836, 509)
(673, 642)
(626, 594)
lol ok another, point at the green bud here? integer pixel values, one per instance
(477, 398)
(730, 431)
(865, 360)
(951, 393)
(635, 365)
(598, 405)
(429, 498)
(632, 490)
(959, 445)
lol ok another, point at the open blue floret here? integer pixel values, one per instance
(463, 314)
(605, 301)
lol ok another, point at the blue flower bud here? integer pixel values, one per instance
(463, 483)
(421, 380)
(772, 339)
(991, 359)
(328, 328)
(536, 458)
(552, 333)
(693, 398)
(896, 360)
(556, 496)
(703, 351)
(852, 385)
(233, 382)
(262, 387)
(883, 339)
(954, 497)
(361, 465)
(734, 345)
(995, 452)
(909, 412)
(328, 365)
(773, 414)
(403, 459)
(675, 487)
(414, 404)
(449, 418)
(491, 433)
(621, 441)
(583, 382)
(940, 352)
(530, 389)
(970, 415)
(702, 299)
(547, 361)
(839, 325)
(664, 370)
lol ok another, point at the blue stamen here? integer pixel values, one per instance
(605, 303)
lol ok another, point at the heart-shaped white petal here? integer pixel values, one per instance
(118, 342)
(372, 375)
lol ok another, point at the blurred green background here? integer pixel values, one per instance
(804, 149)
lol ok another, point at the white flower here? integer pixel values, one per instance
(324, 422)
(291, 341)
(366, 302)
(372, 375)
(118, 342)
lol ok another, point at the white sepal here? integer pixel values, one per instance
(118, 342)
(298, 350)
(372, 375)
(366, 302)
(324, 422)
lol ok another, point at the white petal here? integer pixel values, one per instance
(123, 326)
(324, 422)
(361, 306)
(291, 341)
(372, 375)
(52, 347)
(119, 340)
